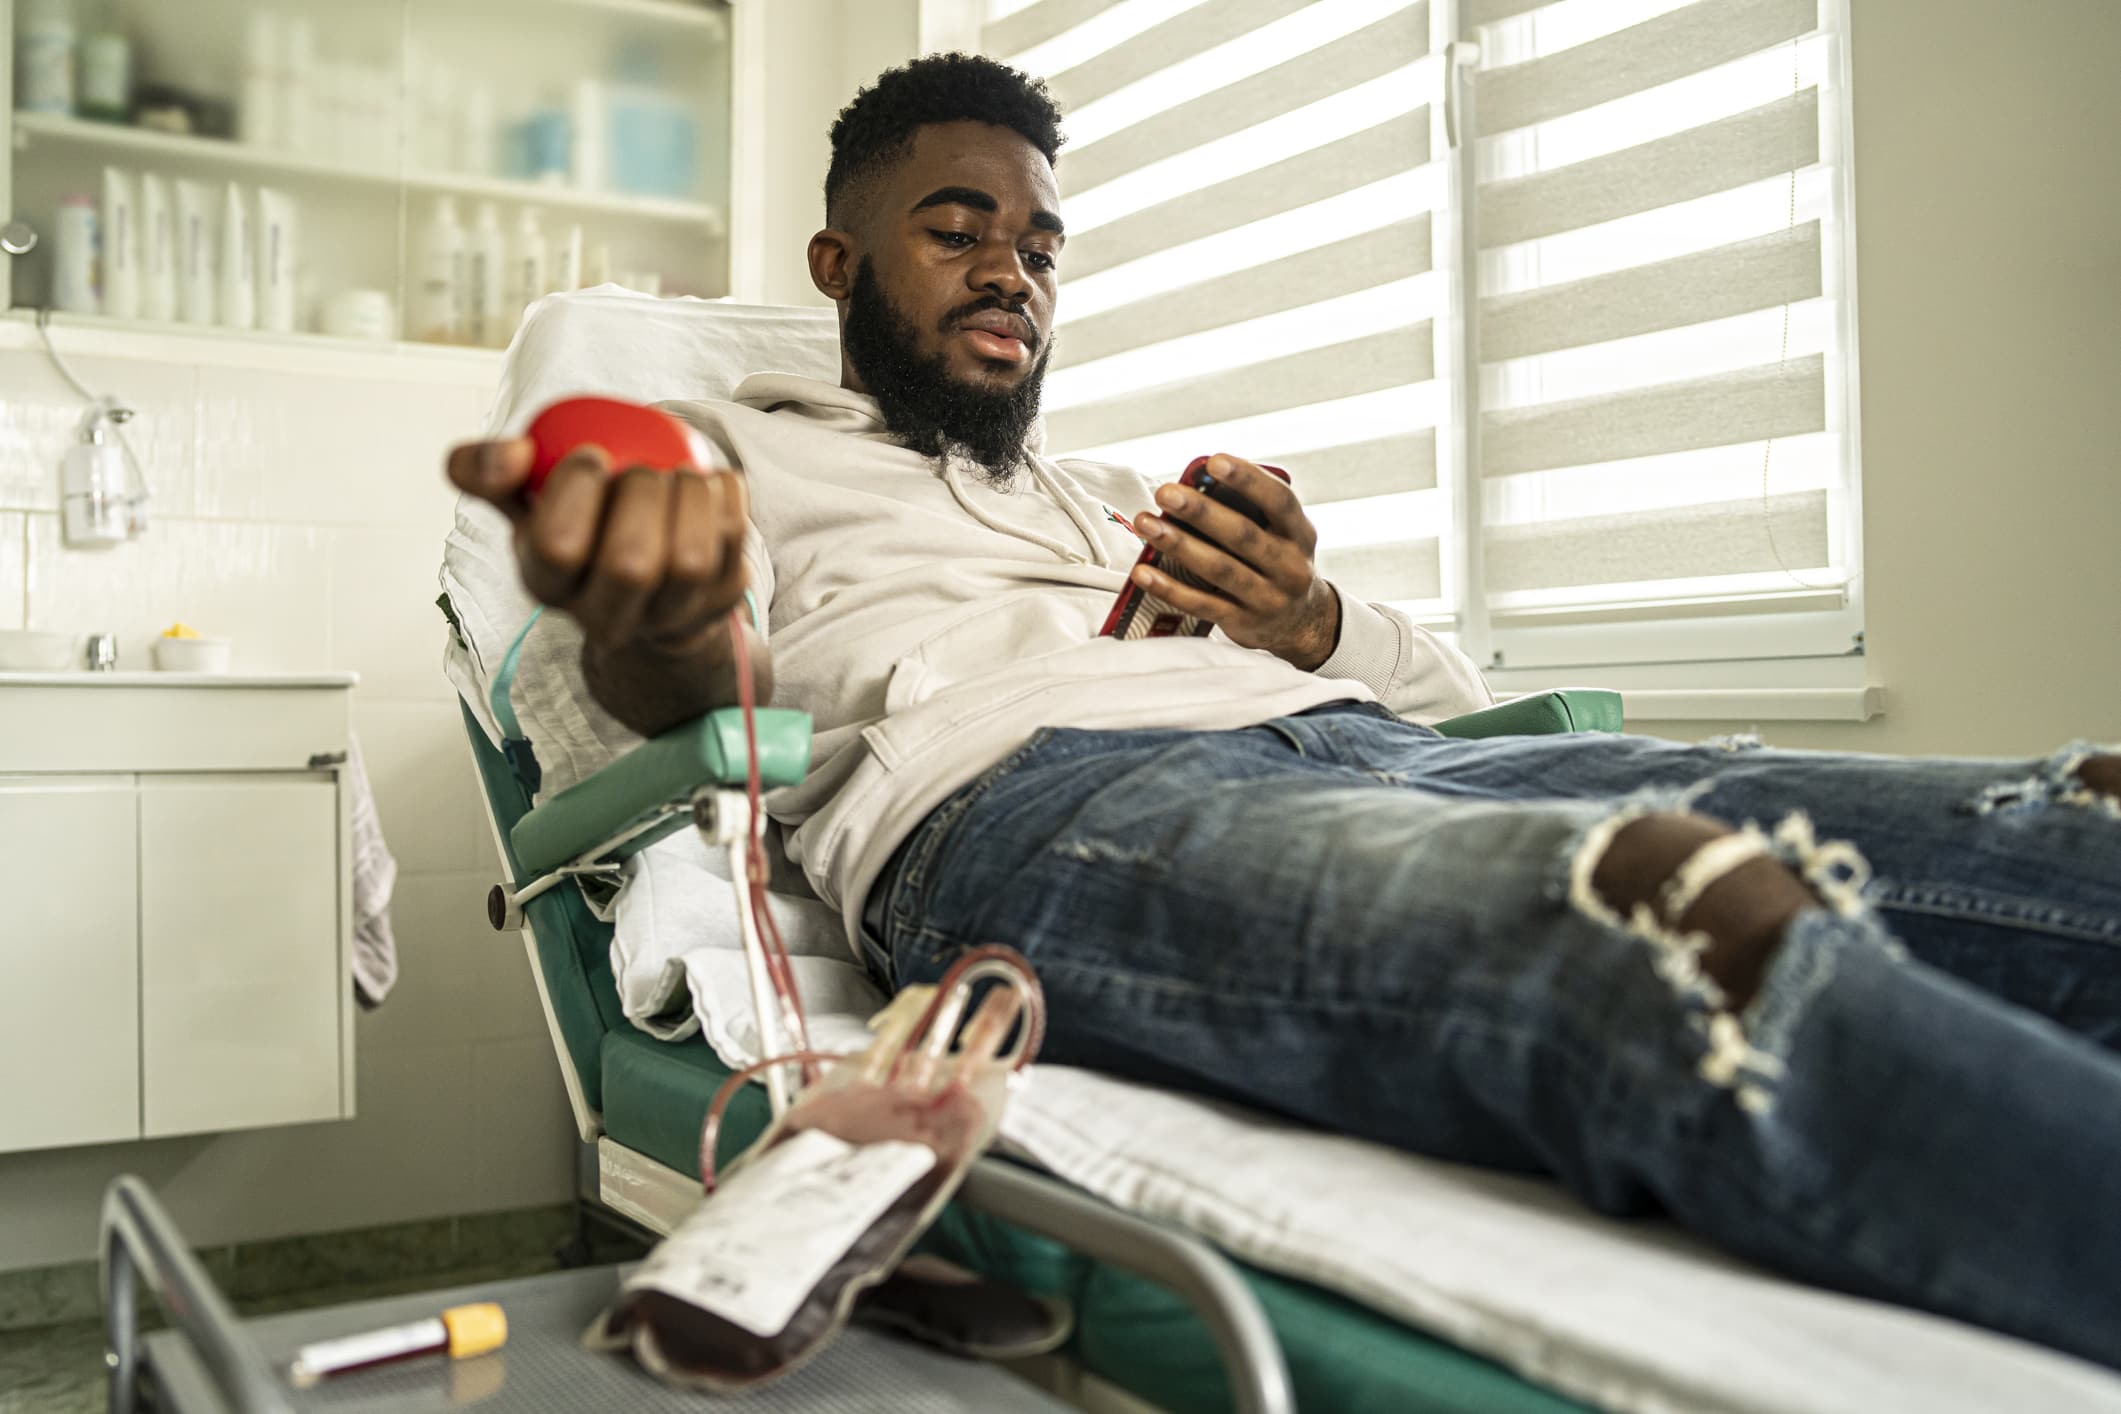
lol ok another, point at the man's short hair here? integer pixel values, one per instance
(878, 126)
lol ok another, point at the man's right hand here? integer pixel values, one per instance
(649, 563)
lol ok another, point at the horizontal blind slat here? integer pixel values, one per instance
(1390, 360)
(1395, 570)
(1383, 466)
(1182, 36)
(1750, 405)
(1678, 542)
(1476, 13)
(1371, 52)
(1779, 268)
(1397, 145)
(1670, 46)
(1362, 262)
(1782, 136)
(1037, 23)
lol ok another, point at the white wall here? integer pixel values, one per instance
(303, 513)
(1988, 228)
(813, 55)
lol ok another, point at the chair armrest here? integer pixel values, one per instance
(656, 778)
(1569, 709)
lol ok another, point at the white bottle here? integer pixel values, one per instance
(567, 261)
(44, 60)
(158, 241)
(239, 260)
(488, 282)
(277, 231)
(601, 269)
(121, 246)
(526, 264)
(196, 253)
(439, 279)
(258, 108)
(74, 260)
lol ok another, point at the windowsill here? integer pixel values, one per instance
(1753, 704)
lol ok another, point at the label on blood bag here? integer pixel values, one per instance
(757, 1247)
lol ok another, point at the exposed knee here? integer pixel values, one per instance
(2102, 774)
(1696, 875)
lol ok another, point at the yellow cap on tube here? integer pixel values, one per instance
(475, 1329)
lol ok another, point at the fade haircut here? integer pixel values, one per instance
(878, 126)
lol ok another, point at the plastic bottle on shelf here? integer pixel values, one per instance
(107, 77)
(296, 102)
(158, 242)
(489, 261)
(527, 264)
(567, 260)
(602, 270)
(44, 73)
(74, 257)
(278, 229)
(439, 293)
(120, 228)
(195, 253)
(258, 119)
(239, 259)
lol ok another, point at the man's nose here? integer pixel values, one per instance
(1001, 273)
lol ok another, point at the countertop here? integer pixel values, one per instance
(79, 678)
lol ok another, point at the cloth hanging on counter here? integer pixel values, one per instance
(375, 875)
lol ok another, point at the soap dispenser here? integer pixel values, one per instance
(97, 500)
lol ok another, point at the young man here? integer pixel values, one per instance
(1885, 1065)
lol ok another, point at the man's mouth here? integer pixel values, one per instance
(998, 335)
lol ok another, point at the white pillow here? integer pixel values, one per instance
(675, 916)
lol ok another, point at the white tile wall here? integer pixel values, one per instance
(303, 515)
(13, 576)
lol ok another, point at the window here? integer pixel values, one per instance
(1546, 306)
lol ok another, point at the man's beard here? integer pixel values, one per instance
(926, 408)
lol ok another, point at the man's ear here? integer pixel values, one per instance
(832, 264)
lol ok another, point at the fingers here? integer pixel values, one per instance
(631, 556)
(1210, 608)
(555, 540)
(705, 574)
(495, 472)
(1284, 512)
(1232, 576)
(1273, 555)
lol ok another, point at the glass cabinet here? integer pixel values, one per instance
(367, 169)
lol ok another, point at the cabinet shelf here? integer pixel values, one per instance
(665, 12)
(34, 128)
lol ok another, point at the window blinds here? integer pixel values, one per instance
(1250, 264)
(1270, 236)
(1659, 315)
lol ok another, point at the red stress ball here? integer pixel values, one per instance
(630, 434)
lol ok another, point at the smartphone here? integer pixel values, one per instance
(1137, 613)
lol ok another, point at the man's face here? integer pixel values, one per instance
(966, 242)
(948, 318)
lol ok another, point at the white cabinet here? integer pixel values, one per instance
(174, 871)
(239, 959)
(601, 125)
(69, 1016)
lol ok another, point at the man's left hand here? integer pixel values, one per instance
(1266, 589)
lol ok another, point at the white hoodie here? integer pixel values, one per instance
(930, 622)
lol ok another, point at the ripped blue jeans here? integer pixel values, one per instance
(1357, 922)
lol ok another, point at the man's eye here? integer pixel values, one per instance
(1038, 260)
(954, 238)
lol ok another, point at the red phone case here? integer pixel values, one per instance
(1139, 614)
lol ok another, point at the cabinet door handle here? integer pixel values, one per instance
(325, 759)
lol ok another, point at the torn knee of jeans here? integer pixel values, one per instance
(1692, 855)
(2079, 775)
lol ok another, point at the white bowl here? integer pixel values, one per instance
(193, 655)
(23, 651)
